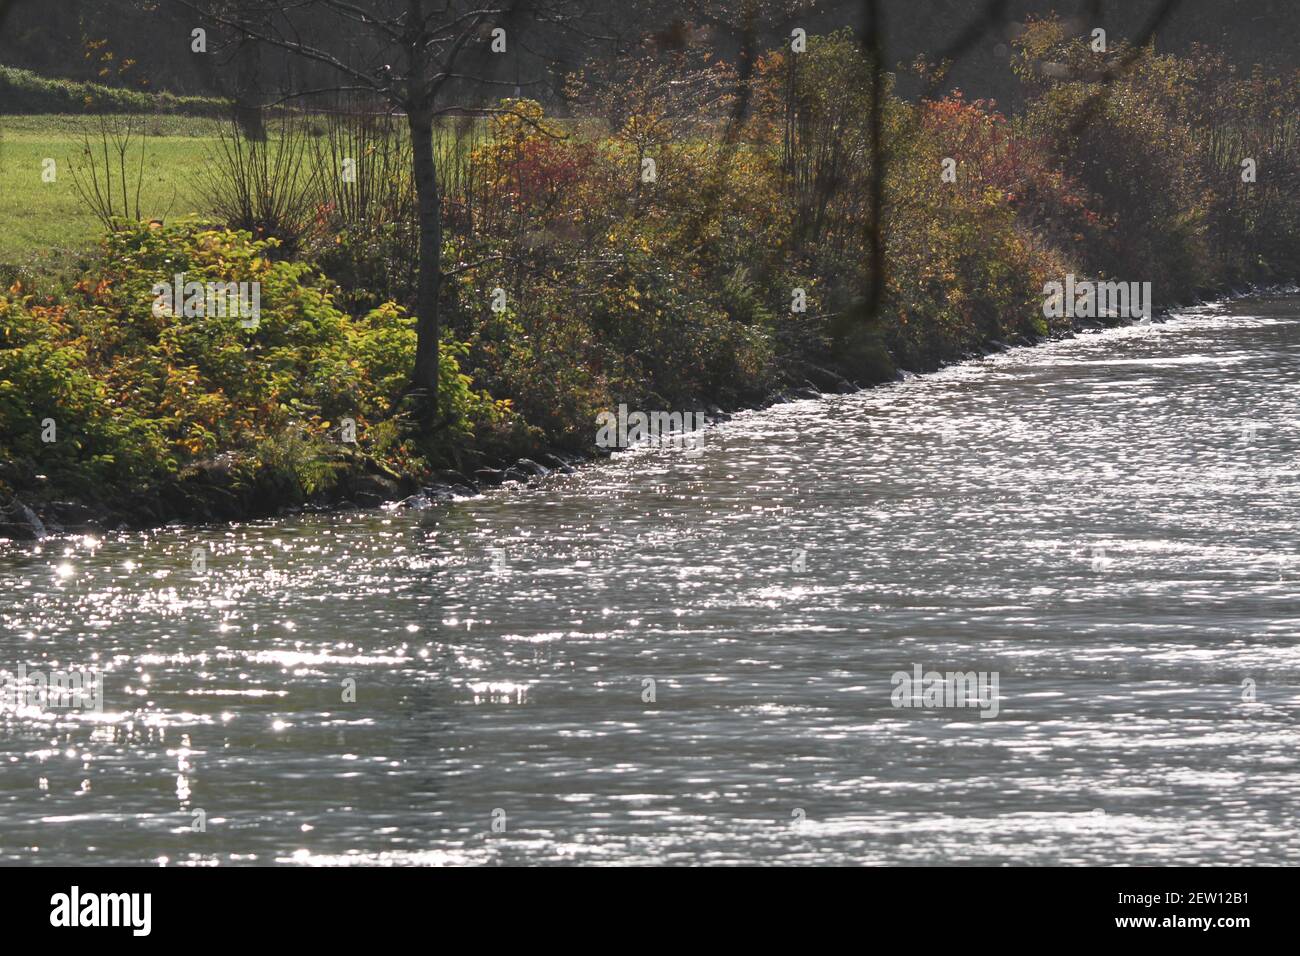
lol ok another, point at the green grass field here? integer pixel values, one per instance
(47, 222)
(39, 219)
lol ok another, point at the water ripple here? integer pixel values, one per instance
(690, 659)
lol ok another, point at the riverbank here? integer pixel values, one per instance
(738, 271)
(212, 491)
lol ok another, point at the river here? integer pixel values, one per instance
(679, 658)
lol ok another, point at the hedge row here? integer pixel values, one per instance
(22, 91)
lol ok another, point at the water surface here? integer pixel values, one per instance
(1107, 523)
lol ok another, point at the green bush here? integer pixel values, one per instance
(139, 392)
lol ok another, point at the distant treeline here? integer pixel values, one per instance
(146, 44)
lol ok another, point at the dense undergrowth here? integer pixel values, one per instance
(577, 280)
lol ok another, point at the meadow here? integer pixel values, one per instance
(39, 218)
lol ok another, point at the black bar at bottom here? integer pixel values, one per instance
(336, 906)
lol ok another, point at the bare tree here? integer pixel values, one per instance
(419, 57)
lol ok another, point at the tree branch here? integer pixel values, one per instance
(294, 46)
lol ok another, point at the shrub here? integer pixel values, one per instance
(271, 188)
(140, 393)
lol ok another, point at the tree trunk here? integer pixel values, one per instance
(425, 375)
(248, 88)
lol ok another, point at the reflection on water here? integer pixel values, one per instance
(688, 659)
